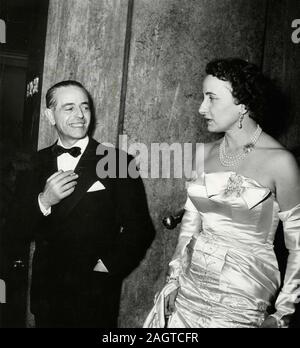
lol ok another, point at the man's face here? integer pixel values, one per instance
(72, 115)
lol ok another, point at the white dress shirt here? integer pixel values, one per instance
(68, 162)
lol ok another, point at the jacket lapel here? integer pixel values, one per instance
(47, 165)
(86, 169)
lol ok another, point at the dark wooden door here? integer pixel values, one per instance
(35, 75)
(15, 312)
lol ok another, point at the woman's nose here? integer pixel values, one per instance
(203, 108)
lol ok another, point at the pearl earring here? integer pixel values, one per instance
(241, 121)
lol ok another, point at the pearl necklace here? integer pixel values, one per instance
(233, 160)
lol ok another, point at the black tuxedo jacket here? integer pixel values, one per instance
(112, 224)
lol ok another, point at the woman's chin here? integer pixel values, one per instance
(211, 127)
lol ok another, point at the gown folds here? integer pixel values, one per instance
(224, 266)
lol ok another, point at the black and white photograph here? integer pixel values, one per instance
(149, 166)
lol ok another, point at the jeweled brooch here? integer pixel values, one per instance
(234, 185)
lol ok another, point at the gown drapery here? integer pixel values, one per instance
(224, 266)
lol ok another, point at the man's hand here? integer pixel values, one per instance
(58, 186)
(269, 323)
(170, 303)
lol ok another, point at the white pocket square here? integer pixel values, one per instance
(97, 186)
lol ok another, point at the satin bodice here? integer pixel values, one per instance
(235, 209)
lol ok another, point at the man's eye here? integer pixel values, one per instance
(70, 109)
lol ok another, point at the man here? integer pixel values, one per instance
(90, 232)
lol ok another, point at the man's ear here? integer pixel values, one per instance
(50, 117)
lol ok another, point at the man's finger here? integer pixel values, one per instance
(63, 178)
(66, 180)
(55, 178)
(63, 175)
(68, 185)
(54, 175)
(67, 193)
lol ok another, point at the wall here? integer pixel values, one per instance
(171, 42)
(85, 41)
(282, 63)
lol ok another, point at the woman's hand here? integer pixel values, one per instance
(269, 323)
(170, 303)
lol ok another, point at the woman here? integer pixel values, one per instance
(224, 272)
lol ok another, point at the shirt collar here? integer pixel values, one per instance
(82, 143)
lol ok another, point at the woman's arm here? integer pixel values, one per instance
(191, 221)
(287, 181)
(190, 224)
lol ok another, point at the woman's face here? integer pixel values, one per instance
(218, 106)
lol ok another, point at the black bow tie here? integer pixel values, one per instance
(59, 150)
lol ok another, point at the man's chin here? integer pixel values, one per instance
(78, 136)
(79, 132)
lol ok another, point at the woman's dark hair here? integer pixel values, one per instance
(249, 85)
(261, 96)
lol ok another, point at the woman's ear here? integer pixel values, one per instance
(50, 117)
(243, 110)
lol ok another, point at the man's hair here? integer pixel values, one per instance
(50, 95)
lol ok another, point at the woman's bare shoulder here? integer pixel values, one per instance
(268, 142)
(283, 165)
(286, 174)
(284, 161)
(275, 154)
(275, 150)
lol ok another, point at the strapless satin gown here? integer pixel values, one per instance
(224, 261)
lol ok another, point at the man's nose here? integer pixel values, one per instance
(80, 112)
